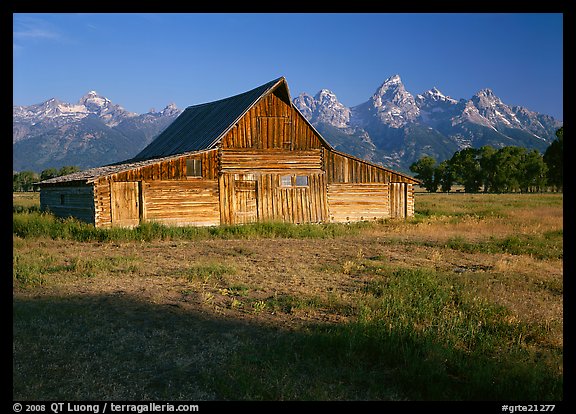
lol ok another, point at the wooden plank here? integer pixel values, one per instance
(277, 159)
(189, 202)
(69, 201)
(125, 201)
(354, 201)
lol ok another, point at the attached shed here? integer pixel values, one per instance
(247, 158)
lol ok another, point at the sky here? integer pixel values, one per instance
(145, 61)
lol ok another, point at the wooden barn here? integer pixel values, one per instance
(247, 158)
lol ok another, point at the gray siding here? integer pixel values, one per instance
(69, 201)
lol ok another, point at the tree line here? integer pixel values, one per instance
(24, 180)
(508, 169)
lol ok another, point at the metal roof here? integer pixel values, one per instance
(200, 127)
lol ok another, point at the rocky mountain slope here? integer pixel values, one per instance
(92, 132)
(395, 128)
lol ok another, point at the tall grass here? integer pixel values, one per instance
(549, 245)
(33, 224)
(414, 326)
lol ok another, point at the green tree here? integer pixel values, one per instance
(533, 172)
(68, 169)
(443, 176)
(23, 181)
(507, 169)
(465, 165)
(554, 159)
(48, 173)
(487, 166)
(424, 170)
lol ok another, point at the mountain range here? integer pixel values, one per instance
(90, 133)
(393, 127)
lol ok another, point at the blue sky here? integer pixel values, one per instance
(144, 61)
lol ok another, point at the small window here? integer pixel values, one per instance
(193, 168)
(286, 181)
(301, 180)
(62, 199)
(294, 181)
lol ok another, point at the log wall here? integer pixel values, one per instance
(261, 196)
(151, 180)
(192, 202)
(343, 168)
(69, 201)
(358, 201)
(239, 160)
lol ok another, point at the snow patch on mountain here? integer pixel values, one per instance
(399, 125)
(57, 113)
(391, 105)
(324, 107)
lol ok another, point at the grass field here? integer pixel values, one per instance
(462, 302)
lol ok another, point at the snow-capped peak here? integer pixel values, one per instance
(326, 97)
(170, 110)
(390, 85)
(92, 98)
(391, 104)
(433, 96)
(394, 79)
(324, 107)
(57, 112)
(486, 92)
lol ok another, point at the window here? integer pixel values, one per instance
(286, 181)
(193, 168)
(62, 199)
(301, 180)
(294, 181)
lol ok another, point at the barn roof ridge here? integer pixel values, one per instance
(202, 126)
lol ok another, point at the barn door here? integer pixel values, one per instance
(245, 199)
(125, 198)
(398, 200)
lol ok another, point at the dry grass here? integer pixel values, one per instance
(231, 292)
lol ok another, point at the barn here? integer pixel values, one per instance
(246, 158)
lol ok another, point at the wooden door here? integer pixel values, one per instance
(125, 198)
(398, 200)
(245, 199)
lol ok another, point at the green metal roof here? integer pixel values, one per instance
(200, 127)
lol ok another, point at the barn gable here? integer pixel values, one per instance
(202, 127)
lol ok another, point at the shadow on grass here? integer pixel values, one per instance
(353, 363)
(114, 347)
